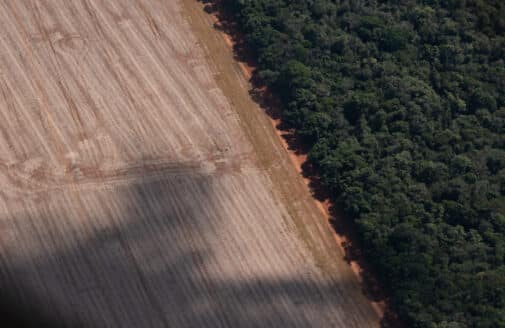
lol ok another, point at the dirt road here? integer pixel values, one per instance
(141, 186)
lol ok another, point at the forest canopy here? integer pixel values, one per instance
(403, 106)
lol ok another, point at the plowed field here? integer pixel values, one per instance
(142, 187)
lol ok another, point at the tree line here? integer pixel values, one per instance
(403, 105)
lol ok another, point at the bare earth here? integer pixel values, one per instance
(141, 186)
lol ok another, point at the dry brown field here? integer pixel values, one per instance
(142, 187)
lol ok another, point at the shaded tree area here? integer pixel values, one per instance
(403, 106)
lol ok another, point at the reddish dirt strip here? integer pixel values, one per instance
(299, 160)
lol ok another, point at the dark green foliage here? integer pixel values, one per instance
(403, 103)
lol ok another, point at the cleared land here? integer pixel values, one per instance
(141, 187)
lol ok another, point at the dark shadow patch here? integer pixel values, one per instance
(145, 266)
(17, 314)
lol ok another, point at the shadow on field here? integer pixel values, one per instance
(271, 105)
(142, 260)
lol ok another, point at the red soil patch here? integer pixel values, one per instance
(343, 231)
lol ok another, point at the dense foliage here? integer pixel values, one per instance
(403, 104)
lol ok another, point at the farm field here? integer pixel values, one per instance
(142, 187)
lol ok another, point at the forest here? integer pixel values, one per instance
(402, 105)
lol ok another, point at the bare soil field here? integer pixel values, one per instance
(142, 187)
